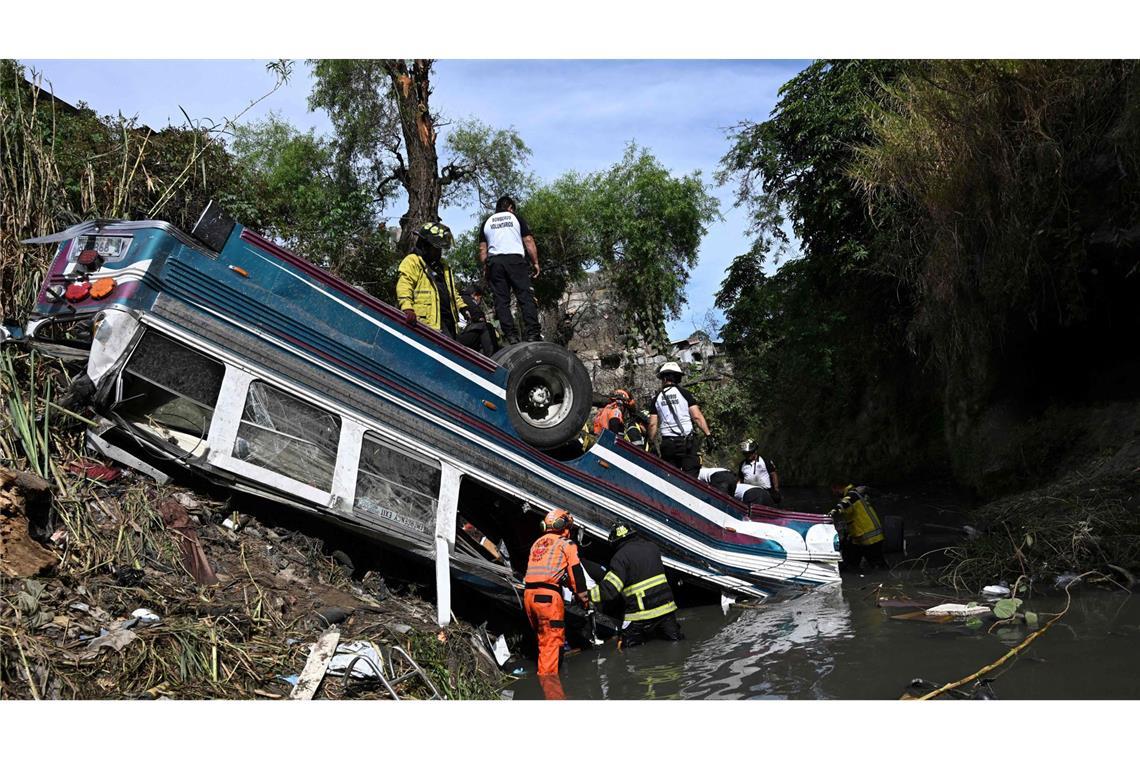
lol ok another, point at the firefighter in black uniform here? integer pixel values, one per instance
(636, 573)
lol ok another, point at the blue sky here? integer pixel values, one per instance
(575, 115)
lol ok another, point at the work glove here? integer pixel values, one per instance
(410, 316)
(710, 442)
(777, 496)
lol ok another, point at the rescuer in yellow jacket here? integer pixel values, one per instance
(425, 288)
(860, 528)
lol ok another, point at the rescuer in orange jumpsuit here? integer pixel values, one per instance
(553, 564)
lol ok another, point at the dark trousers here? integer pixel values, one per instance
(507, 273)
(479, 336)
(640, 631)
(681, 452)
(853, 555)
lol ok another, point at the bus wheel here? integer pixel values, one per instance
(549, 393)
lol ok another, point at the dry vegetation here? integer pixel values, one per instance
(70, 634)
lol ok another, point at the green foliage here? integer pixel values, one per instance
(62, 164)
(1022, 178)
(357, 96)
(493, 160)
(290, 190)
(792, 166)
(649, 226)
(817, 346)
(1018, 247)
(479, 162)
(561, 216)
(1006, 608)
(637, 222)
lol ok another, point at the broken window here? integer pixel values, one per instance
(286, 435)
(395, 489)
(495, 525)
(170, 388)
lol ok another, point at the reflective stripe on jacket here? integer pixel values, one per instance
(862, 520)
(554, 563)
(608, 412)
(636, 573)
(416, 290)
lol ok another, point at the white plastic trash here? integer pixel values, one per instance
(958, 610)
(367, 666)
(501, 652)
(145, 616)
(997, 590)
(726, 602)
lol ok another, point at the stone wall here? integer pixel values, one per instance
(588, 322)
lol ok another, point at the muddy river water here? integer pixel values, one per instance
(839, 643)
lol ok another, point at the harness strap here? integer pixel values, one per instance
(673, 410)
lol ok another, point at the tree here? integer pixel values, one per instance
(637, 222)
(820, 344)
(290, 189)
(1018, 250)
(387, 132)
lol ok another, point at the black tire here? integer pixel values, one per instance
(500, 356)
(549, 393)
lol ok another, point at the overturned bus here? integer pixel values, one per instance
(220, 352)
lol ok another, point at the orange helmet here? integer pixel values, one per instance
(557, 521)
(623, 396)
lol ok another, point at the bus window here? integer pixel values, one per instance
(288, 436)
(170, 388)
(396, 490)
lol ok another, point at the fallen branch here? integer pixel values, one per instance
(1011, 653)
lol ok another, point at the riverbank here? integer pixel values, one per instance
(1087, 520)
(234, 603)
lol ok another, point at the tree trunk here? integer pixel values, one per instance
(420, 176)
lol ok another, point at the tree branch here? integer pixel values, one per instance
(455, 173)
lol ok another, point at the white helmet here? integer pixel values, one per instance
(668, 367)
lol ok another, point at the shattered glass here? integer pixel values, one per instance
(168, 384)
(177, 368)
(288, 436)
(396, 488)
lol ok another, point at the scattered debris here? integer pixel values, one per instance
(959, 610)
(333, 615)
(999, 589)
(21, 556)
(177, 519)
(93, 470)
(359, 659)
(1064, 579)
(145, 616)
(227, 640)
(726, 602)
(316, 666)
(1011, 653)
(501, 651)
(116, 638)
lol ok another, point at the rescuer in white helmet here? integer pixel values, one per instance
(675, 412)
